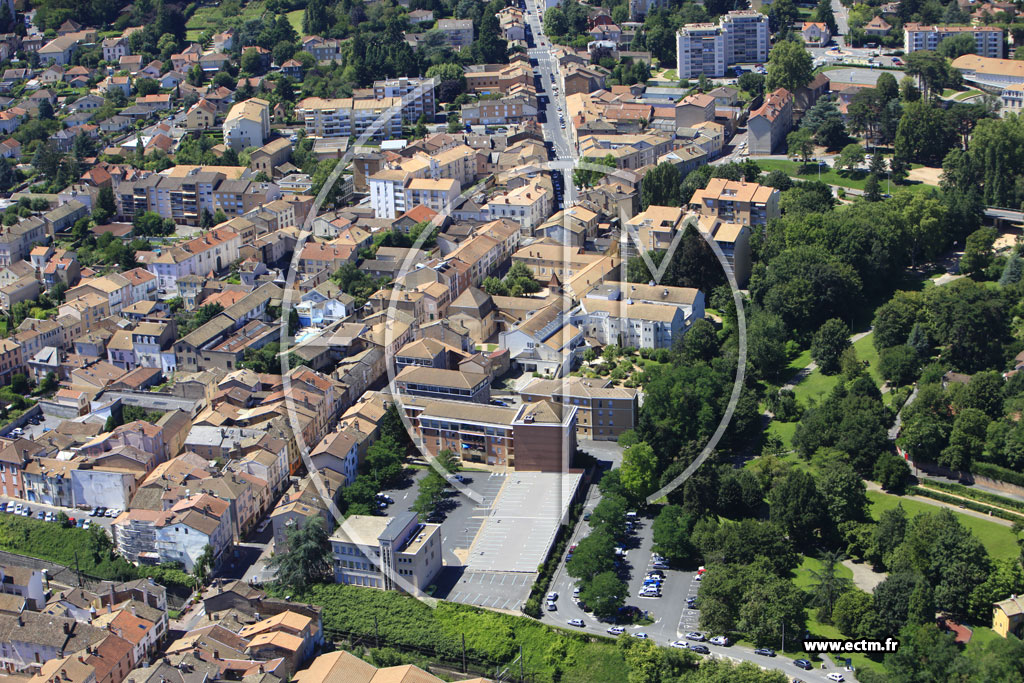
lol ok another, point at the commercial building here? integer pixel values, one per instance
(988, 40)
(604, 411)
(391, 553)
(989, 72)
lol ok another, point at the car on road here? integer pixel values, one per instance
(575, 622)
(696, 635)
(26, 511)
(456, 477)
(552, 606)
(41, 515)
(835, 676)
(263, 526)
(681, 644)
(616, 630)
(113, 512)
(552, 596)
(586, 516)
(720, 640)
(17, 509)
(765, 651)
(700, 649)
(803, 664)
(641, 635)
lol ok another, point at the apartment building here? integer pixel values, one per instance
(247, 124)
(529, 205)
(393, 192)
(740, 36)
(417, 95)
(390, 553)
(736, 201)
(458, 33)
(604, 411)
(347, 116)
(734, 241)
(453, 385)
(652, 229)
(988, 40)
(700, 50)
(991, 73)
(493, 78)
(769, 124)
(507, 110)
(184, 193)
(629, 151)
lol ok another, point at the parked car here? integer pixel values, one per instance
(575, 622)
(86, 526)
(835, 676)
(616, 630)
(113, 512)
(40, 515)
(50, 517)
(17, 509)
(26, 511)
(552, 607)
(263, 526)
(720, 640)
(81, 522)
(552, 596)
(803, 664)
(696, 635)
(681, 644)
(767, 652)
(641, 635)
(700, 649)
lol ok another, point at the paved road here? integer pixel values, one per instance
(842, 20)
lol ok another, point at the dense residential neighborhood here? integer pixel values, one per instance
(424, 340)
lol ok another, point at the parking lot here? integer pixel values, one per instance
(497, 590)
(104, 522)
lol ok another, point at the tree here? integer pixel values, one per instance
(828, 344)
(978, 250)
(251, 62)
(966, 441)
(956, 45)
(841, 489)
(431, 493)
(203, 563)
(924, 134)
(800, 144)
(639, 471)
(752, 83)
(771, 609)
(586, 177)
(307, 560)
(384, 461)
(605, 593)
(872, 190)
(671, 533)
(853, 614)
(828, 586)
(899, 364)
(594, 555)
(45, 110)
(823, 13)
(795, 505)
(851, 157)
(1012, 271)
(789, 66)
(661, 186)
(932, 71)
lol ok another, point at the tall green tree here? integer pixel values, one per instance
(789, 66)
(307, 560)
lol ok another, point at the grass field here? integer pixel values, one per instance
(213, 18)
(295, 19)
(998, 540)
(853, 180)
(817, 385)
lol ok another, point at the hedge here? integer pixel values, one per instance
(976, 494)
(987, 469)
(969, 504)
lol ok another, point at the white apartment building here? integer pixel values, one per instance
(988, 40)
(379, 552)
(739, 37)
(247, 124)
(528, 205)
(420, 92)
(347, 116)
(747, 39)
(650, 317)
(393, 192)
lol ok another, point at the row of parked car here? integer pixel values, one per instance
(100, 511)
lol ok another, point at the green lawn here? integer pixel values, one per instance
(295, 19)
(998, 540)
(817, 385)
(854, 180)
(783, 430)
(802, 575)
(213, 19)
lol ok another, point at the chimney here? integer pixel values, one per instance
(216, 654)
(67, 628)
(64, 674)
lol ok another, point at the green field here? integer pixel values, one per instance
(214, 19)
(853, 180)
(802, 575)
(998, 540)
(295, 19)
(817, 385)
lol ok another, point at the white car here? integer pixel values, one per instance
(681, 644)
(835, 676)
(720, 640)
(641, 635)
(17, 509)
(575, 622)
(616, 630)
(552, 596)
